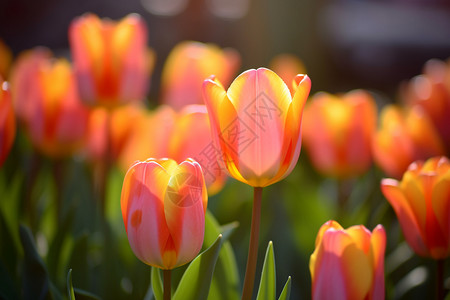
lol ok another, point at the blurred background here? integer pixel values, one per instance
(344, 45)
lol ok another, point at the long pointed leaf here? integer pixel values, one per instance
(286, 292)
(196, 280)
(70, 292)
(267, 286)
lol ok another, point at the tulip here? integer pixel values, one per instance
(119, 132)
(163, 208)
(431, 91)
(348, 263)
(188, 64)
(7, 122)
(111, 59)
(257, 124)
(421, 201)
(287, 66)
(47, 103)
(338, 132)
(191, 137)
(404, 137)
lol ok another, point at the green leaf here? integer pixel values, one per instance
(225, 282)
(286, 292)
(36, 284)
(196, 280)
(70, 292)
(157, 285)
(267, 286)
(84, 295)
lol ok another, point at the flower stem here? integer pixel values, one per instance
(253, 246)
(167, 284)
(440, 279)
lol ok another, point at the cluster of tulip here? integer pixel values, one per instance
(183, 151)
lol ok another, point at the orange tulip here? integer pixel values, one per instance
(7, 122)
(120, 131)
(421, 201)
(338, 132)
(163, 209)
(431, 91)
(404, 137)
(256, 124)
(287, 66)
(188, 64)
(48, 104)
(348, 263)
(111, 60)
(191, 137)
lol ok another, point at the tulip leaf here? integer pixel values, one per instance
(36, 283)
(70, 292)
(225, 282)
(196, 280)
(157, 285)
(286, 292)
(267, 285)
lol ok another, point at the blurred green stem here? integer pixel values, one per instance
(58, 174)
(440, 294)
(167, 284)
(253, 246)
(105, 165)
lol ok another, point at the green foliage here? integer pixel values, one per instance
(267, 285)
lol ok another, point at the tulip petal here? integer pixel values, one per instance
(405, 214)
(185, 203)
(143, 211)
(378, 246)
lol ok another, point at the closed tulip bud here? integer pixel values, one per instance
(188, 64)
(404, 137)
(348, 264)
(421, 201)
(7, 122)
(338, 131)
(163, 209)
(48, 104)
(256, 124)
(111, 59)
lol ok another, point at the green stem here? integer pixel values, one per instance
(440, 279)
(253, 246)
(105, 165)
(167, 284)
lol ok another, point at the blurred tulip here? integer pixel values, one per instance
(287, 66)
(119, 131)
(191, 138)
(111, 59)
(338, 131)
(403, 137)
(7, 122)
(256, 124)
(47, 103)
(188, 64)
(421, 201)
(348, 263)
(163, 208)
(6, 58)
(431, 91)
(149, 137)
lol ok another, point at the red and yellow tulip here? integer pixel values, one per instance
(7, 121)
(163, 209)
(404, 137)
(188, 64)
(256, 124)
(421, 201)
(338, 131)
(47, 103)
(348, 264)
(111, 59)
(6, 58)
